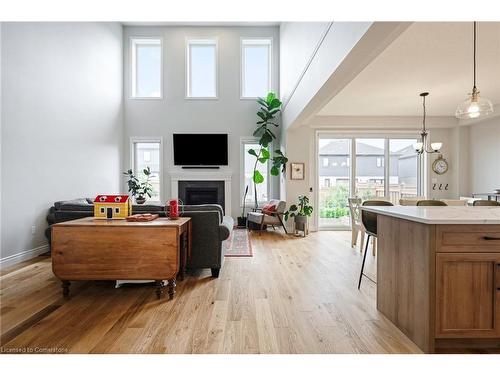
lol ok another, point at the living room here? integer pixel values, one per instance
(241, 187)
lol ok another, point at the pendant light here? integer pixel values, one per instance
(421, 147)
(474, 106)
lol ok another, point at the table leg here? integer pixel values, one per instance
(171, 288)
(65, 287)
(159, 288)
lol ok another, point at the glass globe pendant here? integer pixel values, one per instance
(474, 106)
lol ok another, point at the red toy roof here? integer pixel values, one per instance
(111, 198)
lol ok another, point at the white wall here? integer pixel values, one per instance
(62, 125)
(0, 138)
(175, 114)
(298, 42)
(484, 156)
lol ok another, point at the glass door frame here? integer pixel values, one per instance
(352, 136)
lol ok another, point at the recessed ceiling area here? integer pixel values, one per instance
(428, 56)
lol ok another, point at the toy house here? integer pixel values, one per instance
(112, 206)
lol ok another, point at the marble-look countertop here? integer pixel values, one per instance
(440, 215)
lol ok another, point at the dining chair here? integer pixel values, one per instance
(410, 201)
(431, 202)
(369, 220)
(356, 226)
(455, 202)
(485, 202)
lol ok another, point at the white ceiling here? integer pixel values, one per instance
(204, 24)
(429, 56)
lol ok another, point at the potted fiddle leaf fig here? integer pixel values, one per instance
(270, 108)
(139, 189)
(300, 212)
(242, 220)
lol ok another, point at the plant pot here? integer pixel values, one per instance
(301, 223)
(140, 200)
(242, 222)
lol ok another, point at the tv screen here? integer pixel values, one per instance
(200, 149)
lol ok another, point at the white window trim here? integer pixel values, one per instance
(133, 40)
(159, 140)
(207, 41)
(422, 173)
(243, 142)
(257, 41)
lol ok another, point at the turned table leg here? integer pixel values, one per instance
(159, 288)
(65, 287)
(171, 288)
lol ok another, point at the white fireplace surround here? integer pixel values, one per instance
(203, 175)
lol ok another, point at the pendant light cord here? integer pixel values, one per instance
(474, 54)
(423, 119)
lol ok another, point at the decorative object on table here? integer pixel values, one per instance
(297, 170)
(242, 220)
(238, 244)
(422, 146)
(143, 217)
(440, 165)
(474, 106)
(270, 214)
(300, 213)
(496, 191)
(139, 189)
(173, 209)
(270, 108)
(112, 206)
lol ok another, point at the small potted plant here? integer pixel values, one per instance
(139, 189)
(242, 220)
(300, 213)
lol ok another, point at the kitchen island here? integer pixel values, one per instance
(438, 274)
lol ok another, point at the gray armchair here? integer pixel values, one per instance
(269, 218)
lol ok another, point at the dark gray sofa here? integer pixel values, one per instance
(210, 227)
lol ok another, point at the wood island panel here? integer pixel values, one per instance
(405, 277)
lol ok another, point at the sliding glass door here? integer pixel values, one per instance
(364, 167)
(334, 182)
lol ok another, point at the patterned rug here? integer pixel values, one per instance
(238, 245)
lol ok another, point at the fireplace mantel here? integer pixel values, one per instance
(203, 175)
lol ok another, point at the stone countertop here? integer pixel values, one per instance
(440, 215)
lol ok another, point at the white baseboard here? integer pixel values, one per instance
(22, 256)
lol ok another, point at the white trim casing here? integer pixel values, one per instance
(260, 41)
(133, 41)
(23, 256)
(201, 41)
(159, 140)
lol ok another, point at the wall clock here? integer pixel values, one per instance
(440, 165)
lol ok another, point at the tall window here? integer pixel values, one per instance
(147, 153)
(247, 178)
(201, 70)
(146, 67)
(255, 67)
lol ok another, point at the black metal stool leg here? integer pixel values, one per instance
(364, 258)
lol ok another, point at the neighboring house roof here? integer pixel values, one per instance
(111, 198)
(342, 147)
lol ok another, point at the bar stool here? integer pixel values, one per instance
(485, 203)
(369, 220)
(431, 202)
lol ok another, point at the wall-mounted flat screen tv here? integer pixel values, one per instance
(200, 149)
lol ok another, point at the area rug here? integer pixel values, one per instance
(238, 245)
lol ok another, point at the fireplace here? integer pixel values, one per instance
(202, 192)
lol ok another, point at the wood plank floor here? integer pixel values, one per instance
(295, 295)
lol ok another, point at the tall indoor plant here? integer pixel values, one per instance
(270, 108)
